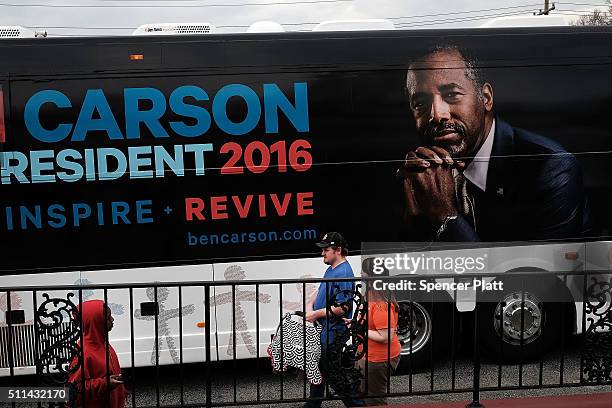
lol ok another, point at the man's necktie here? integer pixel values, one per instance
(465, 198)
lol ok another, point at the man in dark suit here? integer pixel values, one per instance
(475, 177)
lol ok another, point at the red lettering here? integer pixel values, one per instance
(304, 203)
(218, 207)
(243, 211)
(262, 205)
(236, 152)
(281, 209)
(194, 207)
(281, 202)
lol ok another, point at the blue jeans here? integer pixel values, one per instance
(318, 391)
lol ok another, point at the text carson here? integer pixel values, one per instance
(260, 205)
(96, 114)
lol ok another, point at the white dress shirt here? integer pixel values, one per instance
(477, 170)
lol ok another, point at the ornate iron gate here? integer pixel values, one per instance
(58, 328)
(597, 355)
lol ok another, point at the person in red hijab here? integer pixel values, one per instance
(97, 322)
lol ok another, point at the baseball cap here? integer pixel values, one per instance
(332, 239)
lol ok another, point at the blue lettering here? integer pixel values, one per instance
(103, 154)
(145, 107)
(63, 162)
(136, 162)
(34, 218)
(120, 209)
(90, 165)
(100, 207)
(220, 109)
(39, 166)
(275, 100)
(56, 212)
(143, 208)
(198, 151)
(80, 211)
(16, 170)
(178, 106)
(96, 101)
(32, 116)
(9, 218)
(176, 163)
(150, 118)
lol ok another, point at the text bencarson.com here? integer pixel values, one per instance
(428, 286)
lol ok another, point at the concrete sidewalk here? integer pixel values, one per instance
(597, 400)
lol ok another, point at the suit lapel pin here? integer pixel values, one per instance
(500, 191)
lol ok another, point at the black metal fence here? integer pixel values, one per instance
(522, 336)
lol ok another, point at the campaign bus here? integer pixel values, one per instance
(225, 157)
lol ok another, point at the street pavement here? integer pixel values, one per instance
(244, 374)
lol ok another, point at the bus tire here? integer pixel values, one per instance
(431, 320)
(499, 317)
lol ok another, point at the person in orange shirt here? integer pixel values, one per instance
(383, 350)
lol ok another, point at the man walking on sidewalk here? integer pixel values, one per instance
(334, 250)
